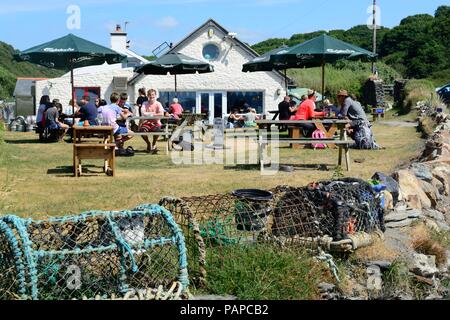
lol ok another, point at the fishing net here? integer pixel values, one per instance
(95, 254)
(331, 210)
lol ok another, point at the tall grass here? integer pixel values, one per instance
(419, 90)
(264, 272)
(347, 75)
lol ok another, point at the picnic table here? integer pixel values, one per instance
(102, 148)
(329, 126)
(165, 133)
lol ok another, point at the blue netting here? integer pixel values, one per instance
(97, 253)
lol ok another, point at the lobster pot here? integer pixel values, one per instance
(214, 224)
(93, 254)
(334, 208)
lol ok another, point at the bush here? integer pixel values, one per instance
(418, 90)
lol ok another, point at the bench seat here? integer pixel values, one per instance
(105, 151)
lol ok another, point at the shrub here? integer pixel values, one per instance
(418, 90)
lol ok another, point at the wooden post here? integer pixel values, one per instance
(323, 78)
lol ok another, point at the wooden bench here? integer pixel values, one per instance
(105, 151)
(342, 144)
(377, 113)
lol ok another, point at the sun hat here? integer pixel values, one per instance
(311, 92)
(342, 93)
(175, 100)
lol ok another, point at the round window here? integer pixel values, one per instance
(210, 52)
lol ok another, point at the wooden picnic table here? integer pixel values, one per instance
(103, 148)
(166, 134)
(328, 126)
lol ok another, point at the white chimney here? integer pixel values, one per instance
(119, 39)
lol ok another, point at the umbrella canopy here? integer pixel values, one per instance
(318, 51)
(70, 52)
(175, 63)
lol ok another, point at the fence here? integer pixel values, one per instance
(95, 254)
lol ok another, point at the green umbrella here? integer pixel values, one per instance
(175, 63)
(70, 52)
(265, 63)
(318, 51)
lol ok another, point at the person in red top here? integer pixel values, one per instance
(176, 109)
(306, 111)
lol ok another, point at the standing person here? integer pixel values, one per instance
(359, 129)
(176, 109)
(283, 108)
(44, 103)
(306, 112)
(141, 99)
(111, 114)
(88, 112)
(152, 107)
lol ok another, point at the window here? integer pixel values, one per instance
(211, 52)
(186, 99)
(93, 92)
(237, 99)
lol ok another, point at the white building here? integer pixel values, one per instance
(217, 92)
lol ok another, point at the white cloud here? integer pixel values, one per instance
(166, 22)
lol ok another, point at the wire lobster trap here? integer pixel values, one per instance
(95, 254)
(309, 216)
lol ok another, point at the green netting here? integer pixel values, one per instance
(95, 254)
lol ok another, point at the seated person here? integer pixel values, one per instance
(88, 112)
(359, 129)
(234, 120)
(292, 108)
(306, 112)
(152, 107)
(51, 119)
(111, 114)
(44, 104)
(175, 109)
(329, 108)
(250, 118)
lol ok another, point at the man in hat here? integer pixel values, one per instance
(359, 129)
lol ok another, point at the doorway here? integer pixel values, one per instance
(213, 104)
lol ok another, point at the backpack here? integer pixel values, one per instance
(318, 134)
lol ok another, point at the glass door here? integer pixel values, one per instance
(212, 104)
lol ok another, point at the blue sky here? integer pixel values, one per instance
(25, 23)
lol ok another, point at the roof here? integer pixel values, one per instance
(34, 79)
(23, 87)
(210, 22)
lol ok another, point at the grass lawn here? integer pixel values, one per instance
(36, 179)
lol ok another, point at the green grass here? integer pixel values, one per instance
(264, 272)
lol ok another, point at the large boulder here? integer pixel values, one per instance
(422, 172)
(422, 265)
(390, 183)
(431, 192)
(442, 173)
(411, 190)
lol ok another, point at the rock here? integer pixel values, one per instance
(396, 216)
(422, 172)
(443, 226)
(438, 185)
(374, 282)
(422, 265)
(382, 264)
(442, 173)
(434, 296)
(399, 224)
(411, 191)
(401, 207)
(326, 287)
(432, 224)
(434, 214)
(390, 183)
(431, 192)
(388, 200)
